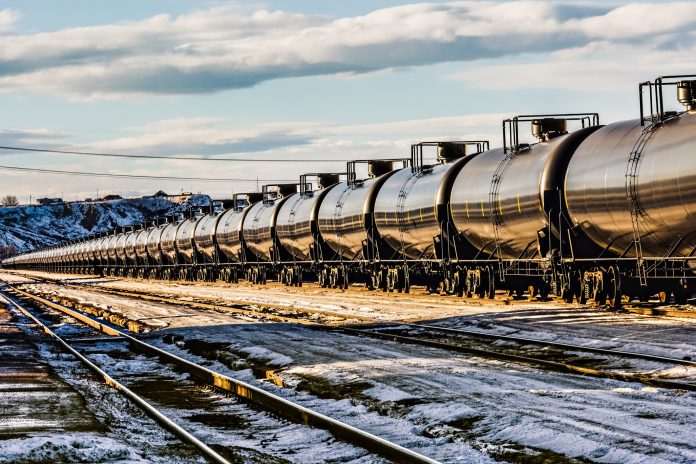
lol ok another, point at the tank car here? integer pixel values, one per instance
(140, 248)
(112, 259)
(345, 222)
(131, 261)
(122, 260)
(229, 238)
(154, 254)
(205, 246)
(631, 187)
(258, 229)
(410, 208)
(185, 251)
(101, 253)
(296, 227)
(502, 199)
(167, 248)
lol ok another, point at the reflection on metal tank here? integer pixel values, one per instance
(341, 218)
(204, 236)
(259, 223)
(665, 185)
(295, 220)
(121, 246)
(141, 244)
(258, 228)
(184, 240)
(168, 243)
(153, 243)
(405, 211)
(102, 249)
(229, 233)
(510, 211)
(93, 251)
(130, 246)
(111, 247)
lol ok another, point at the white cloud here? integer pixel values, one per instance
(224, 48)
(8, 18)
(601, 66)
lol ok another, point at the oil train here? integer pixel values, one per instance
(600, 213)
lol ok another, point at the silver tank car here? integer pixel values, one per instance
(497, 200)
(141, 244)
(102, 249)
(167, 243)
(184, 240)
(664, 183)
(406, 207)
(121, 247)
(153, 243)
(296, 218)
(93, 254)
(342, 214)
(294, 224)
(229, 233)
(73, 253)
(130, 246)
(204, 236)
(260, 221)
(111, 249)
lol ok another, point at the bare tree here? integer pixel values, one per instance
(9, 200)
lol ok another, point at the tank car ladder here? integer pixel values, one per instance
(496, 207)
(633, 202)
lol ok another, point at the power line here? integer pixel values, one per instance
(175, 158)
(132, 176)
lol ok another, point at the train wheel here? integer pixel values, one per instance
(584, 292)
(681, 295)
(371, 283)
(490, 283)
(459, 283)
(665, 296)
(468, 285)
(613, 287)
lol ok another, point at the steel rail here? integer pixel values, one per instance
(558, 366)
(553, 365)
(235, 307)
(257, 396)
(567, 346)
(150, 410)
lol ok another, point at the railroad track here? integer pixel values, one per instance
(255, 396)
(561, 357)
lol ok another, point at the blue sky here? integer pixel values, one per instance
(305, 79)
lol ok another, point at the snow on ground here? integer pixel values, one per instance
(72, 447)
(583, 325)
(114, 430)
(455, 408)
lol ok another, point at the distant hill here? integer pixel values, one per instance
(25, 228)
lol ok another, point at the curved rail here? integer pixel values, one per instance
(257, 396)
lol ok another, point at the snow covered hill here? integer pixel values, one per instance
(24, 228)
